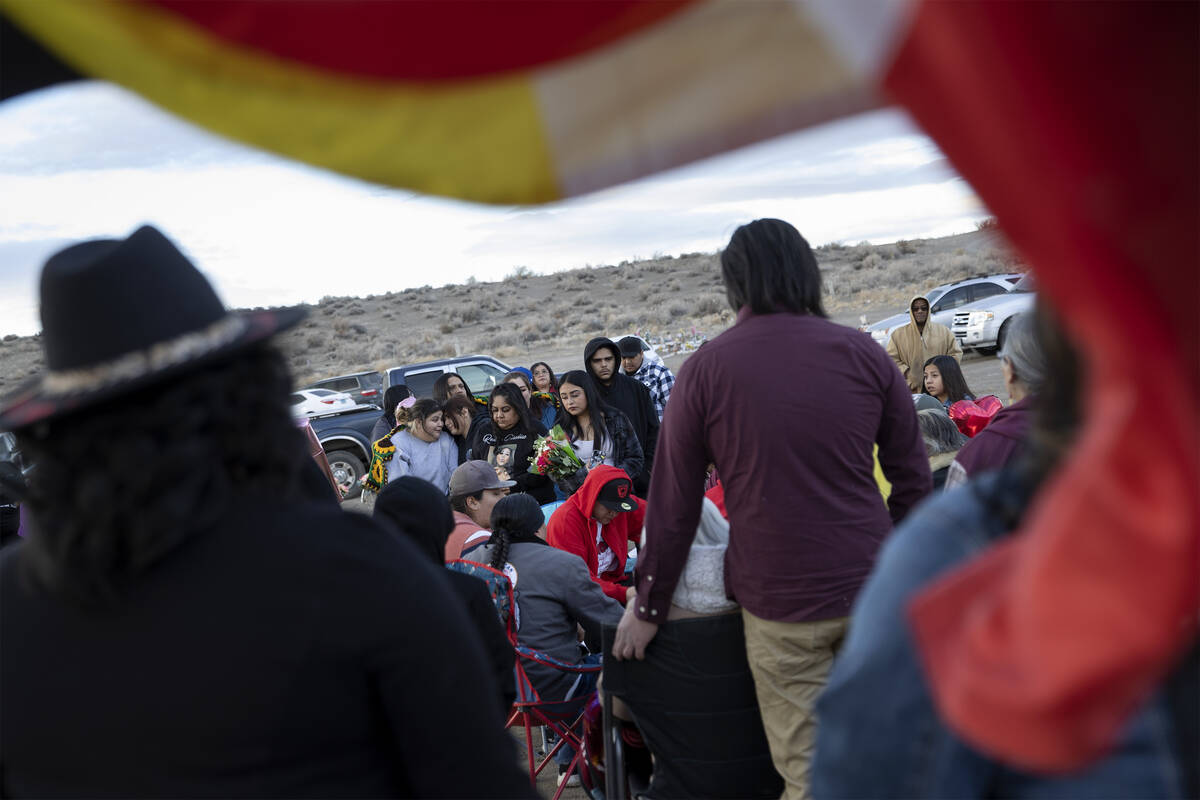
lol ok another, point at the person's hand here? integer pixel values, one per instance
(633, 634)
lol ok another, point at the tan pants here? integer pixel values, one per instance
(791, 662)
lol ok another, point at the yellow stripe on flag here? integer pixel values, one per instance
(478, 140)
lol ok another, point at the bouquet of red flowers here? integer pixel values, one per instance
(554, 457)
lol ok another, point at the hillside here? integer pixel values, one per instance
(677, 301)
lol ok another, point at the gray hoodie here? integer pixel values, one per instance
(553, 592)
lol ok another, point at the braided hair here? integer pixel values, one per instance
(515, 516)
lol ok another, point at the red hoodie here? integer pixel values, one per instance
(572, 529)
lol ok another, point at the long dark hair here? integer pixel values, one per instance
(953, 381)
(121, 484)
(441, 387)
(537, 404)
(769, 267)
(596, 408)
(513, 395)
(553, 380)
(515, 516)
(391, 399)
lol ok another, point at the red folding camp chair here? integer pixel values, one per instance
(563, 717)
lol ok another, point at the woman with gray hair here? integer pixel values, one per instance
(1023, 363)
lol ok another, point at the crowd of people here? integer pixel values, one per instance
(190, 611)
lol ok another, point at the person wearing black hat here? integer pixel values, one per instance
(602, 360)
(418, 511)
(597, 524)
(654, 375)
(190, 622)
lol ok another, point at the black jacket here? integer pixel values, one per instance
(486, 439)
(626, 450)
(289, 650)
(630, 396)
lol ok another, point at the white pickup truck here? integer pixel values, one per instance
(984, 324)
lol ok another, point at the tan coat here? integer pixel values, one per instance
(910, 348)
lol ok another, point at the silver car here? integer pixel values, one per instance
(983, 325)
(944, 301)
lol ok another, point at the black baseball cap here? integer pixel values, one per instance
(630, 346)
(617, 495)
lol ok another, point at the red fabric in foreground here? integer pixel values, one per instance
(1078, 126)
(420, 40)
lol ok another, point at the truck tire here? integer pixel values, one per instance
(348, 470)
(1002, 335)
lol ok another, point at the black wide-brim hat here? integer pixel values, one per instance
(122, 314)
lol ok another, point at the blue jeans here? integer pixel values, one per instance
(585, 688)
(879, 733)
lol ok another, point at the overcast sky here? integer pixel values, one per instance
(89, 159)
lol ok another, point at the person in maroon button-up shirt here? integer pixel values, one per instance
(789, 407)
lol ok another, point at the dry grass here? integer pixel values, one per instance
(528, 317)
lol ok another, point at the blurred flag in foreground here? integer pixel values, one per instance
(1075, 122)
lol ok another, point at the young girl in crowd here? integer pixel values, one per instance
(512, 429)
(600, 434)
(417, 446)
(544, 407)
(944, 380)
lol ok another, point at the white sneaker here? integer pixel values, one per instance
(572, 781)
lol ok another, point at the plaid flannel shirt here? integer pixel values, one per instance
(659, 380)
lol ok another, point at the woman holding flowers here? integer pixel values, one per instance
(509, 436)
(599, 433)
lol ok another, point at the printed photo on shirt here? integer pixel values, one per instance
(503, 460)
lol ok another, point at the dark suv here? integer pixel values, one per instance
(363, 387)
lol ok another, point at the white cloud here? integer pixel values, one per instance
(90, 159)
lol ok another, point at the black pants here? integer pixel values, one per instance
(693, 699)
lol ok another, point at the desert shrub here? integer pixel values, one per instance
(470, 314)
(518, 273)
(353, 354)
(989, 224)
(446, 327)
(710, 304)
(622, 321)
(869, 261)
(676, 310)
(383, 350)
(906, 247)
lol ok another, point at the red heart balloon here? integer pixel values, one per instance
(972, 416)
